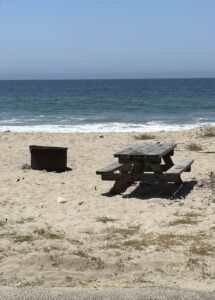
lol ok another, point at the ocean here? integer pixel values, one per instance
(106, 105)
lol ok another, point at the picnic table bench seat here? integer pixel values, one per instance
(180, 167)
(110, 168)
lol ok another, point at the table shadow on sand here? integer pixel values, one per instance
(144, 191)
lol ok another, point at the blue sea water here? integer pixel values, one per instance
(106, 105)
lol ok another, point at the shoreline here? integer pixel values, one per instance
(131, 240)
(154, 127)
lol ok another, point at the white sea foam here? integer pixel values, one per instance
(104, 127)
(11, 121)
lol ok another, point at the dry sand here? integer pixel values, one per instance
(135, 239)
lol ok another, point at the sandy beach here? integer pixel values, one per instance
(138, 238)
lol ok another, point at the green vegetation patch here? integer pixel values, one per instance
(80, 253)
(141, 278)
(206, 132)
(161, 241)
(17, 238)
(202, 249)
(184, 221)
(2, 223)
(25, 220)
(23, 238)
(105, 220)
(48, 234)
(144, 136)
(115, 232)
(194, 147)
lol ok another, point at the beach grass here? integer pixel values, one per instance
(144, 136)
(123, 232)
(162, 241)
(105, 220)
(48, 234)
(206, 132)
(183, 221)
(202, 249)
(194, 147)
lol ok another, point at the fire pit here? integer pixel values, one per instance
(48, 158)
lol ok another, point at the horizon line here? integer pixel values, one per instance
(76, 79)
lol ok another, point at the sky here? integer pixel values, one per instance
(86, 39)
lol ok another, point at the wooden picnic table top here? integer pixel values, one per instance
(145, 150)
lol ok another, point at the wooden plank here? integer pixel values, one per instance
(143, 150)
(132, 149)
(148, 168)
(138, 153)
(162, 149)
(128, 177)
(146, 150)
(146, 177)
(127, 150)
(180, 167)
(141, 158)
(137, 148)
(110, 168)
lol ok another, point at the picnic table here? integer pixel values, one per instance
(149, 163)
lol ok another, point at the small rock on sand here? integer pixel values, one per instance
(61, 200)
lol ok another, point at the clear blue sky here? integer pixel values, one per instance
(53, 39)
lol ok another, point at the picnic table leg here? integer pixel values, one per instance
(162, 182)
(137, 168)
(169, 163)
(123, 183)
